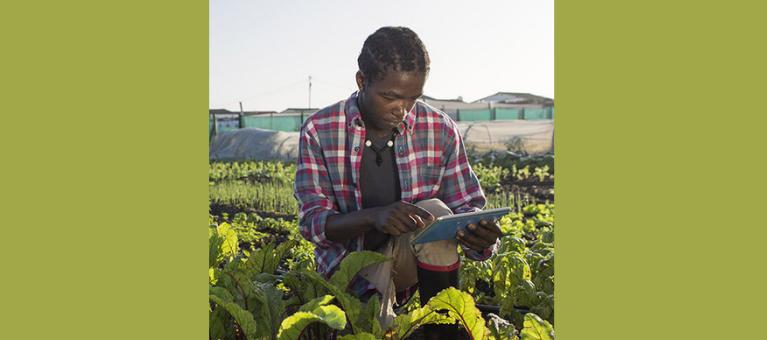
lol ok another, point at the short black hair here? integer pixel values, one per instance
(392, 48)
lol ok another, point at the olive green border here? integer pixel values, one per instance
(104, 169)
(659, 169)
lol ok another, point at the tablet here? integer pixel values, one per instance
(445, 227)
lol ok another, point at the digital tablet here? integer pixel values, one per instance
(445, 227)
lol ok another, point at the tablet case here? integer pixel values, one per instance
(445, 227)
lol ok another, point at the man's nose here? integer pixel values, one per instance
(404, 108)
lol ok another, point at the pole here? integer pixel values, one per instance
(310, 92)
(242, 117)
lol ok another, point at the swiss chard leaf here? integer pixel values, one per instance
(293, 326)
(536, 328)
(313, 304)
(358, 336)
(214, 247)
(229, 242)
(243, 318)
(405, 324)
(461, 307)
(352, 264)
(368, 320)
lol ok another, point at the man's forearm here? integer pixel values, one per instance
(342, 227)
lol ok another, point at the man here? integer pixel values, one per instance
(381, 165)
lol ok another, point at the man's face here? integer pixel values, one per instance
(386, 101)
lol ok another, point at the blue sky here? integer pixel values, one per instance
(262, 52)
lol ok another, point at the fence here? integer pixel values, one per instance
(290, 123)
(503, 113)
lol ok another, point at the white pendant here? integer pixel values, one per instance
(389, 143)
(368, 143)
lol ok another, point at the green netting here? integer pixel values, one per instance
(502, 113)
(474, 115)
(285, 123)
(536, 114)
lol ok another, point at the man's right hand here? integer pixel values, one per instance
(400, 218)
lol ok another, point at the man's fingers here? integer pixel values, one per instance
(419, 221)
(492, 227)
(414, 209)
(485, 232)
(407, 221)
(401, 223)
(470, 240)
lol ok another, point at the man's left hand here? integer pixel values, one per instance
(479, 236)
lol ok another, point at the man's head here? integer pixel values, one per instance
(393, 66)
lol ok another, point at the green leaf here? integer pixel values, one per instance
(358, 336)
(292, 327)
(500, 328)
(242, 317)
(352, 264)
(351, 305)
(368, 320)
(313, 304)
(220, 324)
(229, 244)
(214, 247)
(299, 287)
(279, 253)
(536, 328)
(259, 259)
(405, 324)
(221, 293)
(461, 306)
(274, 308)
(212, 275)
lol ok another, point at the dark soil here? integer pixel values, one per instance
(532, 188)
(218, 209)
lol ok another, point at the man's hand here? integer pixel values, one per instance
(479, 237)
(400, 218)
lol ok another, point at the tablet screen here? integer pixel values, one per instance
(445, 227)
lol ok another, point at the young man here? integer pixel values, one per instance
(377, 167)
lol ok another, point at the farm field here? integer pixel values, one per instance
(263, 283)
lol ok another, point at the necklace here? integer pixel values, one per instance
(378, 150)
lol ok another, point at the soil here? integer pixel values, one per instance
(218, 209)
(532, 188)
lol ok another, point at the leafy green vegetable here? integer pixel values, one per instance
(352, 264)
(536, 328)
(293, 326)
(500, 328)
(358, 336)
(461, 307)
(405, 324)
(243, 318)
(229, 242)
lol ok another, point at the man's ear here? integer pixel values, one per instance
(360, 80)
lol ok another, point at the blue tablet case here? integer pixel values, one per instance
(445, 227)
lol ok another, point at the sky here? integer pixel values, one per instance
(263, 52)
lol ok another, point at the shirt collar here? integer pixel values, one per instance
(354, 116)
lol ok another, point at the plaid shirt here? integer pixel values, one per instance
(431, 160)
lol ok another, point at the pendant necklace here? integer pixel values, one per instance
(389, 143)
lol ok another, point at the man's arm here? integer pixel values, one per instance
(313, 189)
(394, 219)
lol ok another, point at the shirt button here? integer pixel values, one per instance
(356, 149)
